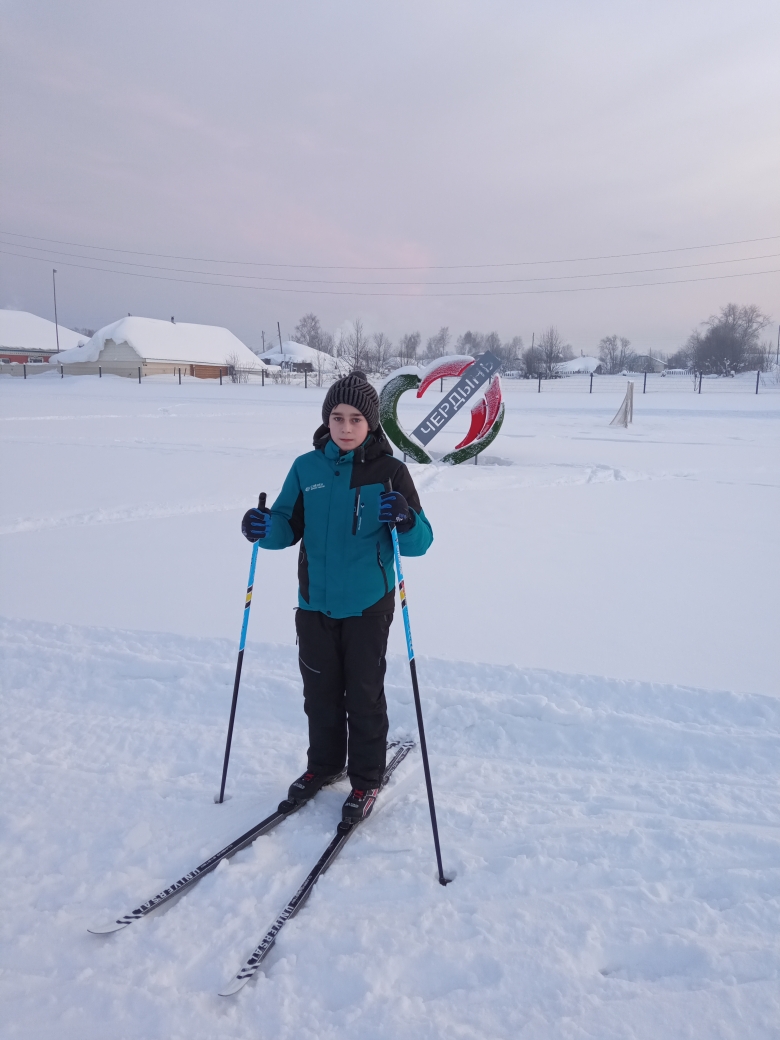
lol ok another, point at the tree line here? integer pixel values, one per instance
(378, 354)
(729, 343)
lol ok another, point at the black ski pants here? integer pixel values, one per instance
(342, 662)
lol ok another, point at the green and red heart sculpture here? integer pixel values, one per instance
(487, 414)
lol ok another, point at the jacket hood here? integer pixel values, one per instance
(376, 444)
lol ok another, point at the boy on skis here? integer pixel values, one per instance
(336, 502)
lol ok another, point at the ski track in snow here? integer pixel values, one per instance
(494, 475)
(122, 515)
(428, 478)
(616, 847)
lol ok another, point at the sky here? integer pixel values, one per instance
(412, 164)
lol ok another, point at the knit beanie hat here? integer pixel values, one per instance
(355, 390)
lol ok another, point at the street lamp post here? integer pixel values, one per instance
(56, 325)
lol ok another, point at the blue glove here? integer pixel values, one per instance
(394, 509)
(256, 524)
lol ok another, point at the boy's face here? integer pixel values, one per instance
(348, 427)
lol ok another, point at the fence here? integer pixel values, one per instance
(653, 383)
(644, 382)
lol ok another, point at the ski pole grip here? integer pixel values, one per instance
(261, 502)
(388, 486)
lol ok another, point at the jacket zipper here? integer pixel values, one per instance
(382, 568)
(356, 513)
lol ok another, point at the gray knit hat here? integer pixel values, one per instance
(355, 390)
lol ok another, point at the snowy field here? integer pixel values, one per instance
(648, 553)
(597, 628)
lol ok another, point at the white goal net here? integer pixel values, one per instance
(625, 413)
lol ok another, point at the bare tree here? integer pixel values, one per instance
(470, 343)
(532, 361)
(319, 366)
(551, 351)
(477, 343)
(236, 373)
(614, 354)
(408, 346)
(493, 344)
(437, 345)
(679, 359)
(731, 342)
(309, 331)
(512, 355)
(354, 346)
(380, 354)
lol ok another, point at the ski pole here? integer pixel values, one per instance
(236, 683)
(416, 690)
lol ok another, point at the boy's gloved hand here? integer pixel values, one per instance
(394, 509)
(256, 524)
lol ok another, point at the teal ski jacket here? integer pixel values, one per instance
(329, 503)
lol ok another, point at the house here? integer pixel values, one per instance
(28, 339)
(298, 357)
(647, 363)
(580, 365)
(157, 347)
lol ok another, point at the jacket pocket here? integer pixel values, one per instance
(381, 567)
(303, 573)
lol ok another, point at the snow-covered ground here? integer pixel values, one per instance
(616, 840)
(648, 553)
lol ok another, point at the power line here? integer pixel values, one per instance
(423, 296)
(352, 281)
(430, 267)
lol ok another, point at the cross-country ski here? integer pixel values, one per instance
(344, 832)
(286, 809)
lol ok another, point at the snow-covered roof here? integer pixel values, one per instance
(27, 331)
(292, 351)
(156, 340)
(578, 364)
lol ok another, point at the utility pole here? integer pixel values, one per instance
(56, 325)
(279, 330)
(777, 359)
(263, 335)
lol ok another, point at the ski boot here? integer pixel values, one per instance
(305, 787)
(359, 805)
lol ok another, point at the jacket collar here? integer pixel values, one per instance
(374, 446)
(332, 451)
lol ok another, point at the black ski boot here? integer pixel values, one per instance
(359, 804)
(306, 786)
